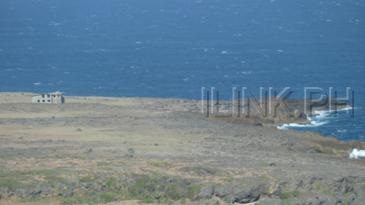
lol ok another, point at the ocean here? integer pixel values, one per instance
(173, 48)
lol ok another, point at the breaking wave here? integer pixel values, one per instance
(320, 118)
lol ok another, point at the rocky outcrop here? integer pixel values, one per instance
(306, 191)
(234, 193)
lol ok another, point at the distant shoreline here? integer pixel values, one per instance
(281, 122)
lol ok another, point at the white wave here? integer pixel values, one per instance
(54, 23)
(338, 110)
(312, 123)
(320, 117)
(282, 127)
(98, 50)
(246, 72)
(323, 114)
(224, 52)
(341, 130)
(346, 108)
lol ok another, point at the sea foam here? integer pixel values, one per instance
(320, 118)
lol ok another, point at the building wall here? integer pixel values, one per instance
(48, 99)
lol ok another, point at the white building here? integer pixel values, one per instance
(50, 98)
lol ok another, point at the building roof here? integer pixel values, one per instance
(52, 93)
(57, 93)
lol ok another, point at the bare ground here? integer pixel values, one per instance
(96, 150)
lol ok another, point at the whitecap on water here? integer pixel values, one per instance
(341, 130)
(224, 52)
(237, 35)
(246, 72)
(98, 50)
(37, 83)
(54, 23)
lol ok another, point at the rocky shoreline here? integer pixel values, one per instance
(96, 150)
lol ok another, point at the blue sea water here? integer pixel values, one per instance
(172, 48)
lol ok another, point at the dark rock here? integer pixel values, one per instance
(319, 200)
(130, 153)
(35, 192)
(87, 186)
(206, 192)
(300, 184)
(302, 116)
(252, 195)
(220, 192)
(272, 164)
(46, 191)
(345, 184)
(206, 202)
(314, 179)
(258, 124)
(246, 197)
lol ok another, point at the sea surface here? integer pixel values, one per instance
(173, 48)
